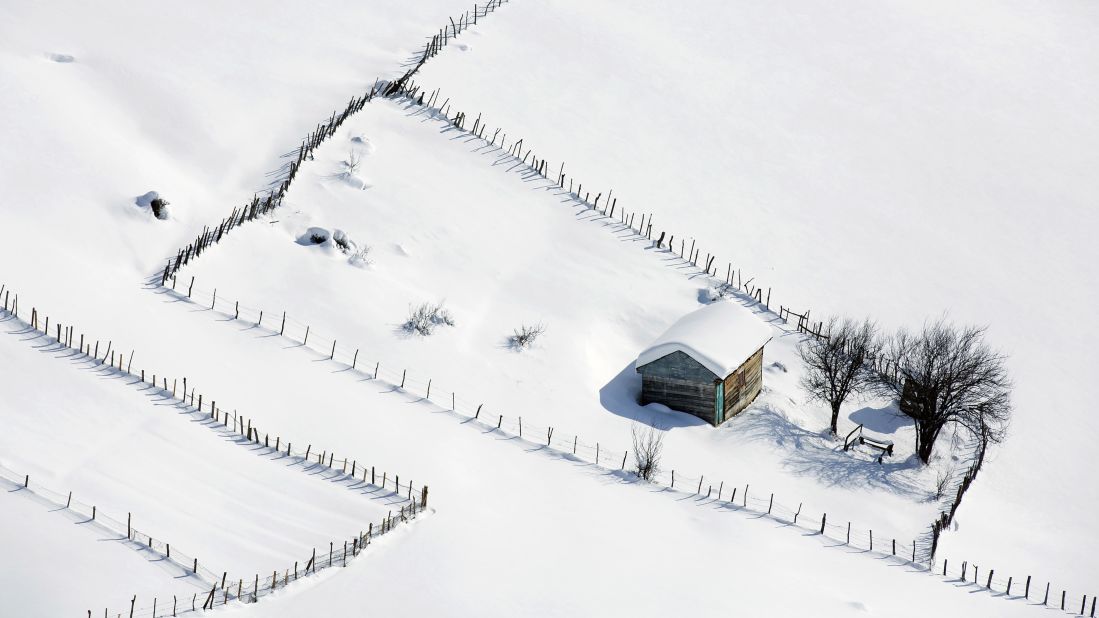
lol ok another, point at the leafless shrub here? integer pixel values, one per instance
(648, 445)
(525, 335)
(942, 481)
(423, 318)
(361, 257)
(722, 290)
(352, 165)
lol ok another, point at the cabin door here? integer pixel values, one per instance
(719, 403)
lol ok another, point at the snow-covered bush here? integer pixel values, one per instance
(423, 318)
(722, 290)
(343, 243)
(360, 257)
(154, 202)
(160, 208)
(525, 335)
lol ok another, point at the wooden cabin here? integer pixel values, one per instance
(709, 363)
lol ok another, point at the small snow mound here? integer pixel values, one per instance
(400, 250)
(357, 182)
(61, 58)
(361, 259)
(463, 46)
(155, 203)
(314, 236)
(859, 606)
(363, 143)
(146, 200)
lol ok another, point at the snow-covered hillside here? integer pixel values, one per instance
(506, 251)
(896, 160)
(195, 100)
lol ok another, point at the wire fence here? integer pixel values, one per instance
(186, 563)
(223, 589)
(411, 498)
(639, 223)
(375, 481)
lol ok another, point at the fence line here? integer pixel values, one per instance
(414, 95)
(185, 562)
(253, 589)
(243, 427)
(222, 590)
(323, 131)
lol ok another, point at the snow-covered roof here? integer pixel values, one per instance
(720, 336)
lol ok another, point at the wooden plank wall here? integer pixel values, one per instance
(743, 385)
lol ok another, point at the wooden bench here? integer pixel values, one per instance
(884, 448)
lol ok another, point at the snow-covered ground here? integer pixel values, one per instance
(894, 160)
(505, 252)
(75, 425)
(50, 548)
(898, 160)
(197, 101)
(544, 534)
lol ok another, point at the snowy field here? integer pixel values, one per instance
(545, 534)
(897, 160)
(74, 425)
(50, 547)
(197, 101)
(503, 253)
(894, 160)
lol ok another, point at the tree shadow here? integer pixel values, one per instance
(819, 457)
(885, 420)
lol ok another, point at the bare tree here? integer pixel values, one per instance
(943, 375)
(837, 365)
(648, 444)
